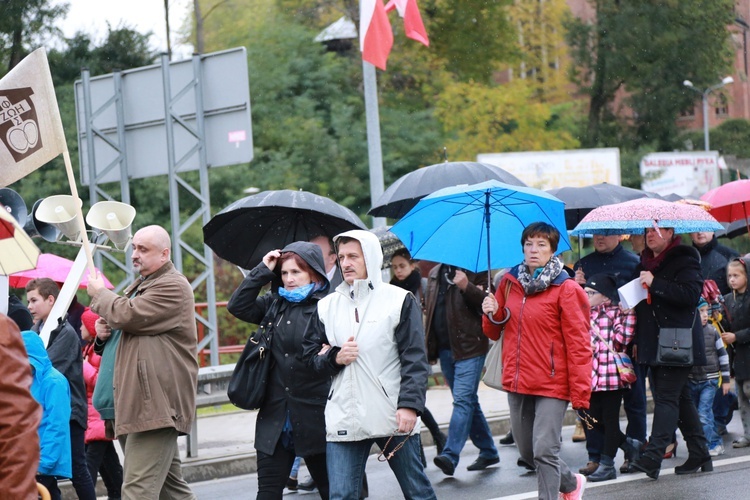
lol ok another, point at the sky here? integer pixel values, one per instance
(91, 16)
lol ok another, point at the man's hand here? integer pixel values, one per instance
(95, 284)
(725, 388)
(489, 305)
(728, 337)
(580, 276)
(460, 280)
(349, 352)
(103, 330)
(406, 418)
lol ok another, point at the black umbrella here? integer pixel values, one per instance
(249, 228)
(579, 201)
(403, 194)
(389, 242)
(734, 229)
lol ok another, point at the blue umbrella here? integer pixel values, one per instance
(452, 225)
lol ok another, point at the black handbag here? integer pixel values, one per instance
(675, 347)
(247, 387)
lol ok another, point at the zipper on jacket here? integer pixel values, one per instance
(552, 358)
(518, 344)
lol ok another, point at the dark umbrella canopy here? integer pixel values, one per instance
(389, 242)
(734, 229)
(403, 195)
(579, 201)
(249, 228)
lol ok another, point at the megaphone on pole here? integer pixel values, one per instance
(113, 218)
(38, 229)
(60, 211)
(14, 204)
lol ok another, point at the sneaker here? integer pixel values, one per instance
(578, 434)
(577, 493)
(291, 484)
(741, 442)
(716, 450)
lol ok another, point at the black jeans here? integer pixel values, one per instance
(605, 408)
(273, 472)
(101, 457)
(673, 406)
(81, 479)
(49, 482)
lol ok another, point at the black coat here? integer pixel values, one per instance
(714, 260)
(675, 292)
(293, 387)
(737, 321)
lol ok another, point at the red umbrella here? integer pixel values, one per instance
(730, 202)
(50, 266)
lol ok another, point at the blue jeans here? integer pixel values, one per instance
(467, 419)
(703, 393)
(346, 464)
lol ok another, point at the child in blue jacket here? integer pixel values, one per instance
(51, 390)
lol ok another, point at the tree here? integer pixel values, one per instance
(23, 24)
(645, 50)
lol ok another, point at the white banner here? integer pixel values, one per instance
(688, 174)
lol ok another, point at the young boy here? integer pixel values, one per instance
(50, 389)
(737, 333)
(64, 350)
(704, 380)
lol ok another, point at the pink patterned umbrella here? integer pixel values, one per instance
(632, 217)
(53, 267)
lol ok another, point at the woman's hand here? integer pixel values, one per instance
(489, 305)
(646, 278)
(728, 337)
(271, 258)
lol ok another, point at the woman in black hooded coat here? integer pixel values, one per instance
(291, 420)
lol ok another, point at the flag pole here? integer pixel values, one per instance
(374, 151)
(79, 213)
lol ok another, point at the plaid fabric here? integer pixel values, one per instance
(617, 329)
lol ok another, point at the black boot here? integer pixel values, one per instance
(693, 464)
(647, 465)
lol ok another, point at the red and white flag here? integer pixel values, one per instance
(375, 33)
(31, 132)
(413, 25)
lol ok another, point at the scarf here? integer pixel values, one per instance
(650, 262)
(542, 276)
(298, 294)
(412, 283)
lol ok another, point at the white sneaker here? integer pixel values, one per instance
(577, 493)
(716, 450)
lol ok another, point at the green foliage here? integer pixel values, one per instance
(732, 137)
(25, 25)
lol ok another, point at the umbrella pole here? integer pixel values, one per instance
(487, 224)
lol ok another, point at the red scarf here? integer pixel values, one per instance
(651, 262)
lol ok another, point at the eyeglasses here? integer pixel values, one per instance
(383, 456)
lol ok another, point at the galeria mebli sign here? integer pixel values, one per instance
(688, 174)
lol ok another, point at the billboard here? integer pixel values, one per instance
(688, 174)
(555, 169)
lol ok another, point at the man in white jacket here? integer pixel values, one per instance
(368, 336)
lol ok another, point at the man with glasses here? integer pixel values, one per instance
(453, 324)
(368, 336)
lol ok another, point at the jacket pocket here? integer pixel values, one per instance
(143, 379)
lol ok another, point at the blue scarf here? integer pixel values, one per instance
(298, 294)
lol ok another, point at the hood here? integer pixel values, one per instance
(310, 253)
(37, 353)
(372, 251)
(745, 261)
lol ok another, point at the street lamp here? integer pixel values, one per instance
(687, 83)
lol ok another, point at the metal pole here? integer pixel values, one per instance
(705, 119)
(374, 151)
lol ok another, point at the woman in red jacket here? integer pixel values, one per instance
(101, 455)
(544, 316)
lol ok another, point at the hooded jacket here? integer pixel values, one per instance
(546, 341)
(156, 370)
(714, 260)
(737, 321)
(293, 387)
(20, 415)
(391, 370)
(52, 392)
(91, 362)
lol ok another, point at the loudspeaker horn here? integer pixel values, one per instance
(113, 218)
(36, 228)
(14, 204)
(60, 211)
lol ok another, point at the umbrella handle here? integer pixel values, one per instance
(648, 295)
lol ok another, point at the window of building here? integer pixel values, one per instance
(722, 106)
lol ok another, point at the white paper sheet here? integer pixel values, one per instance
(631, 293)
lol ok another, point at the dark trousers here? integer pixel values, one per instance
(81, 479)
(605, 408)
(431, 424)
(634, 401)
(673, 406)
(101, 457)
(273, 472)
(49, 482)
